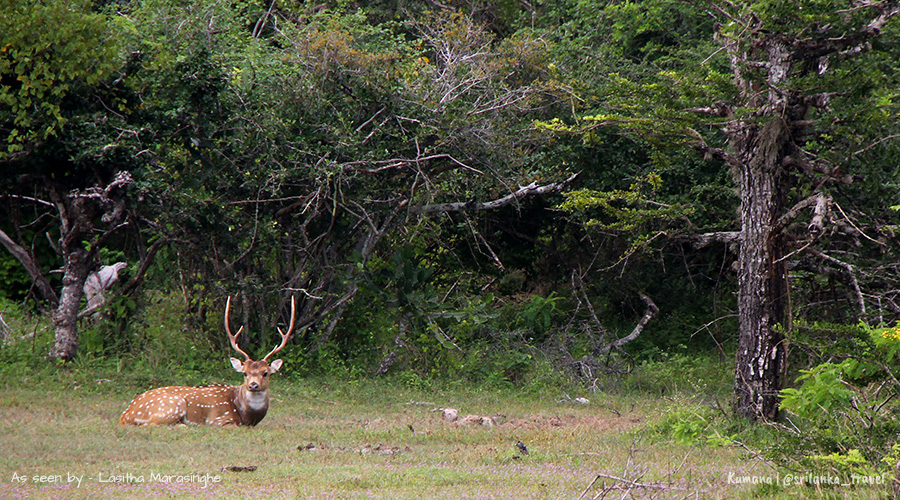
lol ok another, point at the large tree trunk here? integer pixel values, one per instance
(762, 144)
(762, 292)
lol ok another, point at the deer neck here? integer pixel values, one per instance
(251, 405)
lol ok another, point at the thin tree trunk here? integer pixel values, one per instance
(399, 344)
(65, 317)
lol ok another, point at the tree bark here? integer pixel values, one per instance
(762, 146)
(78, 211)
(768, 126)
(65, 318)
(762, 282)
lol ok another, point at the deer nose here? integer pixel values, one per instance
(254, 386)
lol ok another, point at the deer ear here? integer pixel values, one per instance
(275, 365)
(237, 364)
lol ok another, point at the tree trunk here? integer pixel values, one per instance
(762, 283)
(65, 317)
(79, 240)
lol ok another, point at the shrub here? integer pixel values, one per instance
(844, 414)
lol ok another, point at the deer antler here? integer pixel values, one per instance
(285, 336)
(233, 338)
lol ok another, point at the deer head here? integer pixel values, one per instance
(256, 373)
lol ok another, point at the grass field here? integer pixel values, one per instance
(60, 439)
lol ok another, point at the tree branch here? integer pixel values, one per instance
(820, 213)
(711, 152)
(851, 273)
(135, 282)
(820, 200)
(852, 42)
(474, 206)
(652, 311)
(706, 239)
(37, 277)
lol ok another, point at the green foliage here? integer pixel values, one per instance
(156, 339)
(50, 51)
(13, 278)
(822, 388)
(537, 314)
(626, 211)
(264, 156)
(512, 282)
(109, 334)
(23, 346)
(674, 374)
(698, 426)
(848, 464)
(844, 414)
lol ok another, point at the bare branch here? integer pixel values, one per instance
(24, 257)
(651, 312)
(706, 239)
(851, 273)
(474, 206)
(401, 162)
(860, 231)
(870, 146)
(29, 198)
(820, 201)
(852, 42)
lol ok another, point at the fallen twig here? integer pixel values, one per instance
(626, 484)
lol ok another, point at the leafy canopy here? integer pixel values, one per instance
(48, 51)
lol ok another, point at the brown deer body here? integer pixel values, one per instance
(216, 404)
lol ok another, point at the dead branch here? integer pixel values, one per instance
(706, 239)
(820, 201)
(651, 312)
(613, 351)
(625, 484)
(851, 274)
(820, 213)
(474, 206)
(854, 226)
(34, 271)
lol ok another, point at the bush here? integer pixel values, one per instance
(682, 373)
(844, 415)
(693, 424)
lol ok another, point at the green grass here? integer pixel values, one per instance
(370, 439)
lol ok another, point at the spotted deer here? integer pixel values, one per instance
(217, 404)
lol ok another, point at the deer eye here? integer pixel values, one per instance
(265, 374)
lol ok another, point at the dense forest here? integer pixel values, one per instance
(468, 188)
